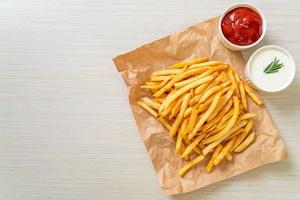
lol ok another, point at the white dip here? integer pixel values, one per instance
(271, 82)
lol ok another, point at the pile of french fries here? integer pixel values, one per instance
(204, 106)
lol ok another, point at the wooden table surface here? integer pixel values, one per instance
(66, 129)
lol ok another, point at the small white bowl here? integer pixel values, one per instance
(272, 82)
(229, 44)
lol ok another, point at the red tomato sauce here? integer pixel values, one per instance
(242, 26)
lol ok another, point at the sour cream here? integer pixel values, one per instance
(270, 82)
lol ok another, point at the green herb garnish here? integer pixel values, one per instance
(274, 66)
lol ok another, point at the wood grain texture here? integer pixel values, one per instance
(66, 129)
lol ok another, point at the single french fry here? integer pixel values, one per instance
(191, 62)
(224, 151)
(232, 79)
(165, 72)
(148, 108)
(210, 163)
(180, 136)
(245, 143)
(179, 118)
(257, 100)
(243, 95)
(165, 123)
(247, 116)
(205, 116)
(159, 78)
(193, 119)
(188, 166)
(236, 75)
(178, 144)
(151, 83)
(151, 103)
(151, 87)
(219, 67)
(224, 133)
(184, 132)
(182, 148)
(243, 135)
(181, 91)
(205, 64)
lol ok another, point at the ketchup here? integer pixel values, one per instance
(242, 26)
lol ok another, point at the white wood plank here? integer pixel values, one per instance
(66, 130)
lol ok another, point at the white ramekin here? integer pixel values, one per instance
(249, 63)
(235, 47)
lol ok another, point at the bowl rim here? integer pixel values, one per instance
(248, 5)
(293, 67)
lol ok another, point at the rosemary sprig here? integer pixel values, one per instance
(274, 66)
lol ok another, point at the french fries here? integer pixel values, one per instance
(243, 95)
(257, 100)
(203, 104)
(184, 63)
(153, 104)
(245, 143)
(210, 163)
(184, 169)
(233, 82)
(148, 108)
(224, 151)
(179, 118)
(205, 116)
